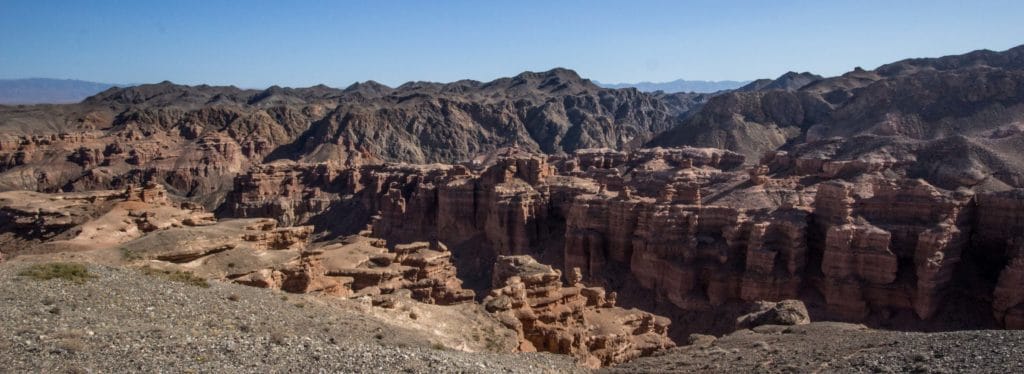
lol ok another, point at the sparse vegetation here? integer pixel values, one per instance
(279, 338)
(493, 341)
(494, 345)
(71, 345)
(76, 273)
(177, 276)
(129, 254)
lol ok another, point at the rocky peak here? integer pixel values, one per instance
(557, 80)
(276, 95)
(791, 81)
(368, 88)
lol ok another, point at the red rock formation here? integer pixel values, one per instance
(1008, 297)
(362, 266)
(893, 246)
(999, 235)
(529, 297)
(909, 222)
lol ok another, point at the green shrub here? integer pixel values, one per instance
(72, 272)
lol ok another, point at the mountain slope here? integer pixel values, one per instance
(909, 110)
(195, 139)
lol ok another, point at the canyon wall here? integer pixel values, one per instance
(869, 247)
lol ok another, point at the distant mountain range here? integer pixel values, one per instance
(679, 85)
(65, 91)
(45, 90)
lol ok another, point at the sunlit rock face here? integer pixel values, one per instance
(671, 219)
(572, 319)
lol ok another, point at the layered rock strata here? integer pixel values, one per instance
(897, 248)
(695, 256)
(577, 320)
(672, 218)
(34, 222)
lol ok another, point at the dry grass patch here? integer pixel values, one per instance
(72, 272)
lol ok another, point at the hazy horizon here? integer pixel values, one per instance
(598, 82)
(264, 43)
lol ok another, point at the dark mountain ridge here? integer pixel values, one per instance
(910, 108)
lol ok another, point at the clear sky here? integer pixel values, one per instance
(301, 43)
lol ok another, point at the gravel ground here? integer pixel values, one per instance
(828, 347)
(126, 321)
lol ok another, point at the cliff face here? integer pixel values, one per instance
(487, 207)
(999, 239)
(900, 252)
(689, 225)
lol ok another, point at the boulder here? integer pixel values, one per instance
(785, 312)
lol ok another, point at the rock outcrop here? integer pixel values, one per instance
(577, 320)
(784, 313)
(35, 222)
(256, 252)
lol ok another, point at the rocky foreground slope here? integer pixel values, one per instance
(830, 347)
(129, 320)
(528, 310)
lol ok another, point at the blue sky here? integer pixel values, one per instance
(302, 43)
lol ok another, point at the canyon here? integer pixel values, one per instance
(878, 250)
(604, 224)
